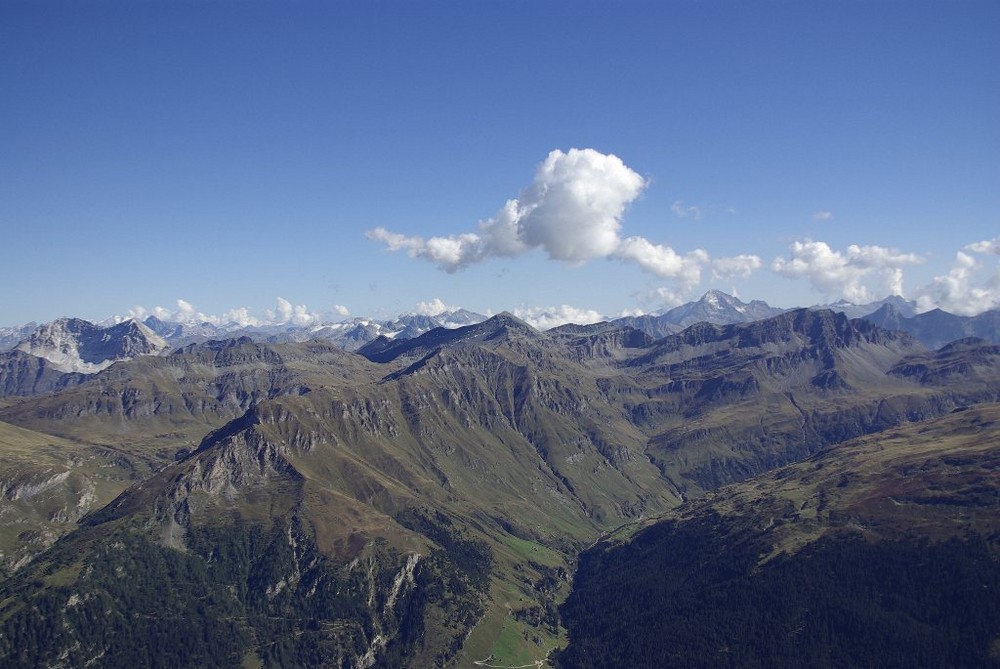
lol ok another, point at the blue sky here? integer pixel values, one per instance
(241, 159)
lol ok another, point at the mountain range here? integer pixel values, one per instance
(76, 345)
(466, 494)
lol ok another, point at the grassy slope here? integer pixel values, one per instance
(47, 484)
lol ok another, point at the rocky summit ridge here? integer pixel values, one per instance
(76, 345)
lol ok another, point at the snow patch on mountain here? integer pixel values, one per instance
(76, 345)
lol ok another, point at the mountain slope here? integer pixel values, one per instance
(23, 374)
(444, 487)
(722, 403)
(879, 552)
(47, 485)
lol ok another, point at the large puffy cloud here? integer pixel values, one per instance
(970, 287)
(861, 274)
(572, 211)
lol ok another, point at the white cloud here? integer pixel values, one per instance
(669, 297)
(184, 313)
(341, 310)
(433, 308)
(822, 215)
(988, 246)
(287, 313)
(682, 210)
(284, 313)
(969, 288)
(572, 211)
(187, 312)
(738, 266)
(240, 315)
(663, 261)
(544, 318)
(860, 275)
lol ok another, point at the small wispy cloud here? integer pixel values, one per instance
(741, 266)
(682, 210)
(989, 246)
(822, 215)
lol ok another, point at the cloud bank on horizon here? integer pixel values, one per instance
(284, 313)
(573, 211)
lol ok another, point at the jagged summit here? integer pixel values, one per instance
(77, 345)
(720, 308)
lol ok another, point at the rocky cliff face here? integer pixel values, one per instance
(26, 375)
(76, 345)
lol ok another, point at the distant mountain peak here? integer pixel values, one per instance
(719, 308)
(504, 323)
(77, 345)
(901, 305)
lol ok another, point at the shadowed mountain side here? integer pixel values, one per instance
(881, 551)
(937, 328)
(26, 375)
(601, 341)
